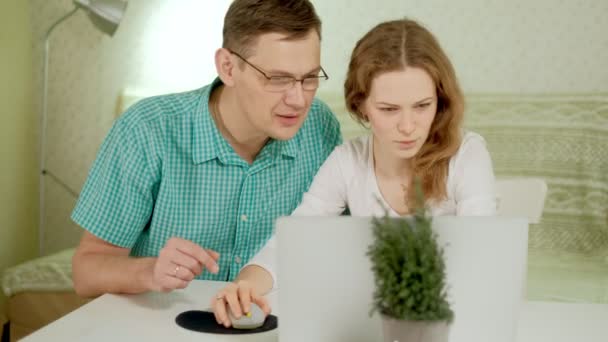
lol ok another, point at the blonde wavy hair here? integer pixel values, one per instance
(393, 46)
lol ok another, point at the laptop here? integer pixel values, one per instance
(326, 283)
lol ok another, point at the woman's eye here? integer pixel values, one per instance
(423, 105)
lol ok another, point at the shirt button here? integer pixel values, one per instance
(244, 218)
(237, 259)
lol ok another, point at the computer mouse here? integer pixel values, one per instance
(253, 319)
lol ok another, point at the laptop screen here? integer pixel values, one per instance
(326, 282)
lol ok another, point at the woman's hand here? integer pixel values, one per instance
(236, 297)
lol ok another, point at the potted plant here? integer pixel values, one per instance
(410, 281)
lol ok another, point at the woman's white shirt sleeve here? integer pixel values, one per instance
(473, 176)
(325, 197)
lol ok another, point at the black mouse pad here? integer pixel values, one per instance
(204, 321)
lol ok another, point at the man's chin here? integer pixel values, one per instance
(284, 133)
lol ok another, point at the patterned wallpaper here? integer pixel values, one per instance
(544, 46)
(517, 46)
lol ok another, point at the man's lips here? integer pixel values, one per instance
(288, 119)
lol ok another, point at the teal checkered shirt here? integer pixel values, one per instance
(164, 171)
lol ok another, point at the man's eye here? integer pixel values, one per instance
(281, 80)
(311, 80)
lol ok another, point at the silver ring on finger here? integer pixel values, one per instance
(176, 270)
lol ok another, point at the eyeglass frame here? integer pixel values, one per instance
(324, 76)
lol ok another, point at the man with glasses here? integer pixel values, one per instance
(188, 185)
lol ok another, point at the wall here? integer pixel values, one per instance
(18, 139)
(541, 46)
(518, 46)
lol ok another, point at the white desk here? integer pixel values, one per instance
(151, 317)
(563, 322)
(146, 317)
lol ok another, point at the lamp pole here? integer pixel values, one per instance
(43, 123)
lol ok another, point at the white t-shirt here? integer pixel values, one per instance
(347, 179)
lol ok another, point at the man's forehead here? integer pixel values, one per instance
(281, 53)
(278, 37)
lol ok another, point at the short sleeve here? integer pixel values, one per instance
(118, 196)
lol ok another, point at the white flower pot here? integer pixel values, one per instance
(414, 331)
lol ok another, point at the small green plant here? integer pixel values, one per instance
(408, 267)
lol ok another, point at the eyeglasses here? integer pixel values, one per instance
(280, 84)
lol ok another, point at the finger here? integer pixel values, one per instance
(244, 293)
(182, 273)
(219, 309)
(195, 251)
(262, 302)
(213, 254)
(233, 304)
(192, 250)
(172, 257)
(169, 283)
(185, 261)
(214, 305)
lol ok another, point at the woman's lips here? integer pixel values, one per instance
(405, 144)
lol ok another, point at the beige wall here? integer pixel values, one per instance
(18, 138)
(496, 46)
(519, 46)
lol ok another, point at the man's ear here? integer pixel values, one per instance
(224, 65)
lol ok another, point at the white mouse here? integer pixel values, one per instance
(254, 319)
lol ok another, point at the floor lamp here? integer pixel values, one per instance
(106, 16)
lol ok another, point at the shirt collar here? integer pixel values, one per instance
(208, 142)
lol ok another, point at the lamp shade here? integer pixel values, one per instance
(105, 14)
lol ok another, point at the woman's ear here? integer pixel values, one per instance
(224, 65)
(363, 112)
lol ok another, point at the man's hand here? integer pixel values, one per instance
(179, 262)
(100, 267)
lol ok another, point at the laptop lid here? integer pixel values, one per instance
(326, 282)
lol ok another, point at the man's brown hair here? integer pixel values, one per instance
(248, 19)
